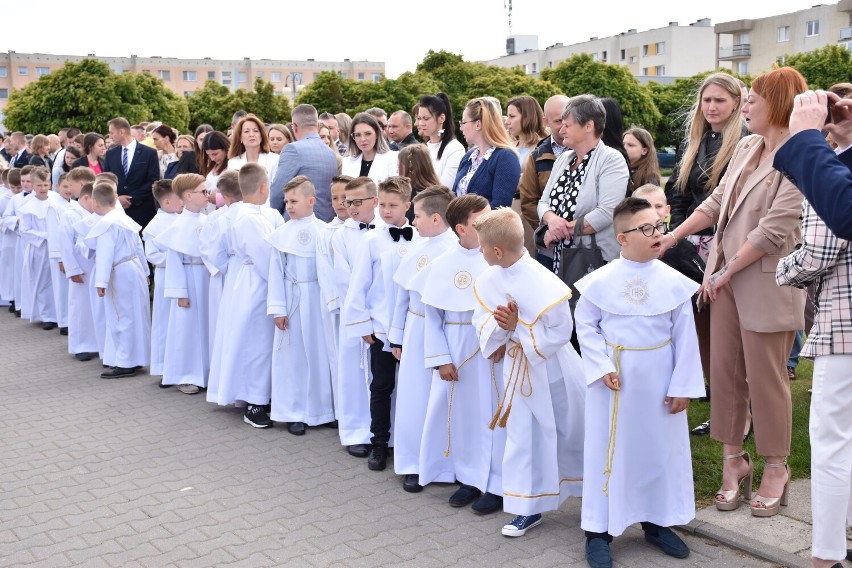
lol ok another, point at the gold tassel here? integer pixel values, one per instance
(494, 420)
(505, 416)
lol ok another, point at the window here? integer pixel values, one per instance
(660, 70)
(4, 93)
(781, 60)
(745, 38)
(190, 75)
(343, 75)
(118, 69)
(661, 48)
(211, 75)
(622, 55)
(535, 67)
(42, 71)
(241, 77)
(226, 77)
(595, 56)
(361, 76)
(645, 71)
(187, 93)
(784, 33)
(603, 56)
(813, 28)
(259, 75)
(634, 59)
(645, 50)
(22, 70)
(3, 71)
(164, 74)
(742, 68)
(276, 76)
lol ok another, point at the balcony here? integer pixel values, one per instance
(845, 34)
(736, 51)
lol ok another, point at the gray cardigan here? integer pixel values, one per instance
(604, 186)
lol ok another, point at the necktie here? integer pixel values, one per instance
(124, 160)
(362, 226)
(405, 232)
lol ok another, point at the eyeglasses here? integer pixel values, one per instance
(355, 202)
(463, 122)
(648, 229)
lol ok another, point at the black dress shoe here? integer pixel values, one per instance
(48, 325)
(411, 483)
(12, 307)
(83, 356)
(487, 504)
(332, 424)
(17, 313)
(162, 386)
(118, 372)
(464, 495)
(296, 428)
(63, 331)
(378, 458)
(359, 450)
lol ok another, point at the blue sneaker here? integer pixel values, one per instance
(597, 553)
(521, 524)
(667, 541)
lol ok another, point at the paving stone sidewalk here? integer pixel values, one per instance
(122, 473)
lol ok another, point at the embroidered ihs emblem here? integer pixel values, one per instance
(401, 250)
(462, 280)
(303, 237)
(636, 292)
(421, 262)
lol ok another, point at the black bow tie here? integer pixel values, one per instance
(405, 232)
(362, 226)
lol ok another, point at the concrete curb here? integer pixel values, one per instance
(745, 544)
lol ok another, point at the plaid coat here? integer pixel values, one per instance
(826, 260)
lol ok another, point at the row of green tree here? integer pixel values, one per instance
(88, 94)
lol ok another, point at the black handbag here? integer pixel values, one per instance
(576, 262)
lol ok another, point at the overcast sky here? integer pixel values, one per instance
(398, 33)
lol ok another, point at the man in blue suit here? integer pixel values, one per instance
(307, 156)
(821, 174)
(18, 150)
(137, 168)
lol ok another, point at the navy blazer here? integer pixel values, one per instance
(144, 171)
(24, 160)
(496, 179)
(822, 176)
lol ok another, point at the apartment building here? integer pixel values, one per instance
(183, 76)
(661, 54)
(753, 46)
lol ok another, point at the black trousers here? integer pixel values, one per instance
(383, 366)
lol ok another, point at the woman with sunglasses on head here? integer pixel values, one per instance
(250, 144)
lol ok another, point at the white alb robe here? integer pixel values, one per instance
(82, 228)
(186, 357)
(330, 301)
(242, 358)
(7, 252)
(12, 224)
(82, 337)
(58, 282)
(643, 312)
(214, 254)
(456, 436)
(353, 354)
(36, 285)
(301, 374)
(407, 329)
(543, 403)
(161, 307)
(122, 271)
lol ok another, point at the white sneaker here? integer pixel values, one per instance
(188, 389)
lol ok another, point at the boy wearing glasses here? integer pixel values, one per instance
(641, 363)
(368, 309)
(301, 375)
(353, 369)
(170, 206)
(186, 285)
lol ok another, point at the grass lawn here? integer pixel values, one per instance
(707, 453)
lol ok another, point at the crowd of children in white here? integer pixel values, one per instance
(445, 341)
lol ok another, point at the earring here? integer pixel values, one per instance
(441, 130)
